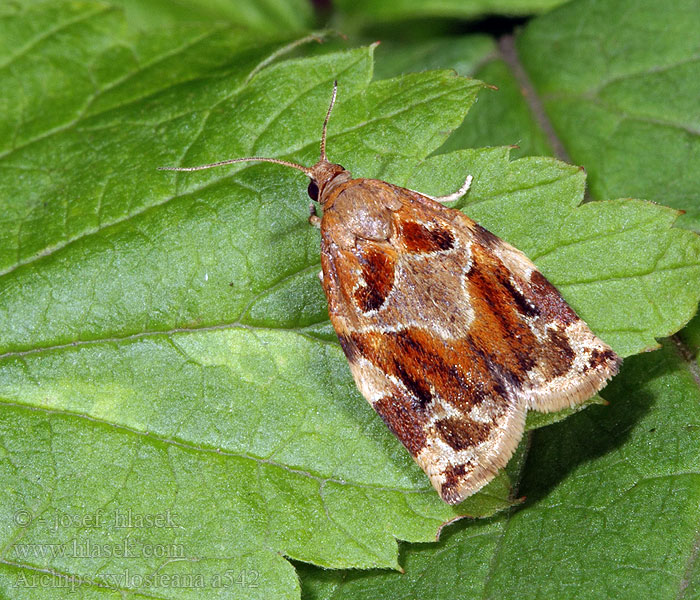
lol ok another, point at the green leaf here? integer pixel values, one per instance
(593, 485)
(620, 81)
(691, 336)
(384, 10)
(76, 79)
(463, 54)
(159, 278)
(503, 118)
(266, 16)
(499, 117)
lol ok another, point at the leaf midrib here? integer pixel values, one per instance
(191, 447)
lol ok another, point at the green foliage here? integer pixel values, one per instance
(623, 95)
(165, 349)
(611, 510)
(381, 10)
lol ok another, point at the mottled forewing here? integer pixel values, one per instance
(451, 335)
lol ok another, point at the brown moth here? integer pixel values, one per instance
(452, 334)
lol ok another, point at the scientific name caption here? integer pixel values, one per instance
(93, 538)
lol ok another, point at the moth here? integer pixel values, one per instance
(451, 334)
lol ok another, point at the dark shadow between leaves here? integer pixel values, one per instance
(316, 581)
(558, 449)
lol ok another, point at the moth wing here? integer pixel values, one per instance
(452, 334)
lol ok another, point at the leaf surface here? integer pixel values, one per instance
(594, 483)
(620, 83)
(366, 10)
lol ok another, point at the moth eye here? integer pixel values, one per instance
(313, 191)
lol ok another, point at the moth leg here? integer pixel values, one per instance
(456, 195)
(314, 219)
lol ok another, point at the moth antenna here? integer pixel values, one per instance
(307, 171)
(325, 123)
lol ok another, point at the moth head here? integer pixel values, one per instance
(324, 175)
